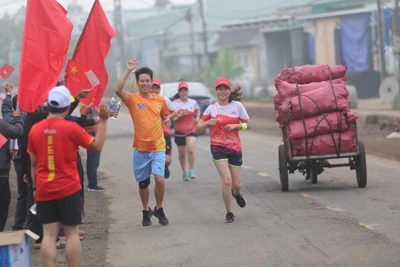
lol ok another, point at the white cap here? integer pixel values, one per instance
(60, 97)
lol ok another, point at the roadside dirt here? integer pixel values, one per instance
(263, 118)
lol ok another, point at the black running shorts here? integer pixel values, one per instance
(180, 139)
(234, 160)
(66, 210)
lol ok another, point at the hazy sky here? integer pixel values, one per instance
(13, 5)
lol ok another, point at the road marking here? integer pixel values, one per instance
(263, 174)
(246, 167)
(306, 195)
(369, 226)
(334, 209)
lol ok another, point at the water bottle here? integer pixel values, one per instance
(112, 103)
(116, 109)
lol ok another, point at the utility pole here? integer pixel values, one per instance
(120, 30)
(203, 20)
(396, 36)
(189, 18)
(382, 60)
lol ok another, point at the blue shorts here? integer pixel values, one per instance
(146, 163)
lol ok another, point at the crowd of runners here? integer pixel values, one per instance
(50, 173)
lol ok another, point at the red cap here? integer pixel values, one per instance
(183, 85)
(157, 82)
(223, 81)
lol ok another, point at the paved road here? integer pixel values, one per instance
(332, 223)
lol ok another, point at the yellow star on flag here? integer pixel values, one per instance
(74, 70)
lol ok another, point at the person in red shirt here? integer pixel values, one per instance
(155, 89)
(226, 118)
(185, 129)
(52, 147)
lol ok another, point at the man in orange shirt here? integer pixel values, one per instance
(148, 111)
(52, 146)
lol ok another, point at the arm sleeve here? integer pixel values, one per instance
(207, 114)
(12, 130)
(82, 121)
(130, 100)
(244, 117)
(164, 109)
(170, 105)
(81, 138)
(196, 106)
(7, 110)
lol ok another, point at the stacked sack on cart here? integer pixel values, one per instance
(312, 102)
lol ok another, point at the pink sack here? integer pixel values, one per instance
(315, 102)
(318, 125)
(324, 145)
(288, 90)
(312, 73)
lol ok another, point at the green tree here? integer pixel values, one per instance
(225, 65)
(161, 4)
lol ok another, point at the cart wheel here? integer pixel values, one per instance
(314, 172)
(283, 168)
(361, 166)
(308, 170)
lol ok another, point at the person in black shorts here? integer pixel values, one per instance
(155, 89)
(226, 118)
(52, 146)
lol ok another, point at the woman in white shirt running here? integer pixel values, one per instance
(188, 116)
(226, 118)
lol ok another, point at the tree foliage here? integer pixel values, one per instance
(225, 65)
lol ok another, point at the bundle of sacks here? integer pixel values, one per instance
(312, 101)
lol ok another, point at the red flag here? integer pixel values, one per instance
(6, 71)
(76, 75)
(47, 34)
(91, 52)
(3, 140)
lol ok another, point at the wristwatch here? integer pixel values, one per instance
(33, 188)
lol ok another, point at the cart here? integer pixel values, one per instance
(312, 165)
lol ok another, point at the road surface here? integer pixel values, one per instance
(333, 223)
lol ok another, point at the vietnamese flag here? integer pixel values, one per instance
(46, 38)
(91, 52)
(6, 71)
(76, 75)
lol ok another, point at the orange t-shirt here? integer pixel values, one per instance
(146, 116)
(55, 142)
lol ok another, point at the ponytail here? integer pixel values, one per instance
(236, 94)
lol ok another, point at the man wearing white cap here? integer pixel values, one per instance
(52, 146)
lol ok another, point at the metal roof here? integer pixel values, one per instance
(365, 9)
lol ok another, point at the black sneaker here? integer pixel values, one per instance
(230, 217)
(159, 213)
(95, 189)
(146, 217)
(239, 199)
(167, 173)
